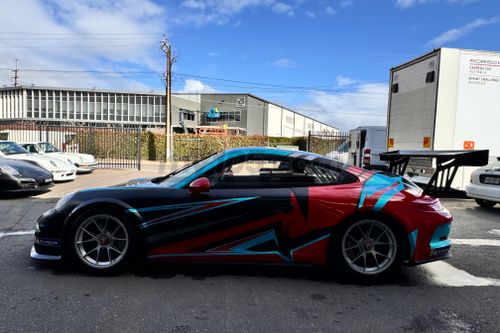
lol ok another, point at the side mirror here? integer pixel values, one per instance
(200, 185)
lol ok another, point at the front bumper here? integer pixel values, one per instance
(45, 257)
(86, 166)
(48, 236)
(483, 191)
(64, 175)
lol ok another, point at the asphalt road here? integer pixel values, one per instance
(459, 295)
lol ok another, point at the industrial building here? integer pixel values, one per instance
(191, 113)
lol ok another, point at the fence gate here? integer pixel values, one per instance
(332, 145)
(114, 147)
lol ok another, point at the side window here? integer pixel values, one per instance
(31, 148)
(250, 171)
(325, 173)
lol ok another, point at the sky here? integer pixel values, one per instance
(329, 59)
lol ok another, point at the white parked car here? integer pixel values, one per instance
(62, 170)
(485, 185)
(84, 162)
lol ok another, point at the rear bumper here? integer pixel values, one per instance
(483, 191)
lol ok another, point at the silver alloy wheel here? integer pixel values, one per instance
(101, 241)
(369, 247)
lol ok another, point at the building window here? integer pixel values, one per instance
(225, 116)
(29, 104)
(289, 119)
(395, 88)
(186, 115)
(429, 78)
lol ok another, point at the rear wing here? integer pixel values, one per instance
(447, 164)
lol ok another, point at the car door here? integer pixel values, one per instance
(243, 217)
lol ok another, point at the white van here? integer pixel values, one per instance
(366, 143)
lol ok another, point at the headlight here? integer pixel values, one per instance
(64, 200)
(10, 170)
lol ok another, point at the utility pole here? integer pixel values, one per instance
(16, 73)
(170, 59)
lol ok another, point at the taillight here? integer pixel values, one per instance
(366, 156)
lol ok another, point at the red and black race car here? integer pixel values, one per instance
(251, 205)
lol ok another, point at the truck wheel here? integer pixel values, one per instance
(485, 203)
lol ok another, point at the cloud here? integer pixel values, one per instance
(457, 33)
(330, 11)
(103, 35)
(311, 15)
(346, 3)
(220, 12)
(196, 86)
(366, 104)
(345, 81)
(213, 54)
(283, 63)
(282, 8)
(411, 3)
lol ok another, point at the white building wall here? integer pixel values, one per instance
(288, 123)
(274, 119)
(299, 125)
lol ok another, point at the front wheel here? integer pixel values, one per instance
(101, 241)
(368, 250)
(485, 203)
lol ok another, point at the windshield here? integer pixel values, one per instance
(48, 147)
(12, 148)
(177, 176)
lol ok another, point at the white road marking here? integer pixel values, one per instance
(16, 233)
(495, 232)
(477, 242)
(444, 274)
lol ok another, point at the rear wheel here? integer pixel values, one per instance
(101, 241)
(485, 203)
(368, 250)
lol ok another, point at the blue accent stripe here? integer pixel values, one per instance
(242, 249)
(412, 237)
(307, 244)
(442, 231)
(190, 209)
(377, 183)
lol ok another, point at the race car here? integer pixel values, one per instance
(62, 170)
(18, 177)
(84, 163)
(484, 185)
(251, 205)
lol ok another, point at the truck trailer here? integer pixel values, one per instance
(447, 99)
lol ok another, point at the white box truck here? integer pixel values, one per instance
(448, 99)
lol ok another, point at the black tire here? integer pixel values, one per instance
(78, 248)
(340, 254)
(485, 203)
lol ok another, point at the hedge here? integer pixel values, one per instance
(187, 147)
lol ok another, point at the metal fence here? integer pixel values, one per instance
(114, 147)
(332, 145)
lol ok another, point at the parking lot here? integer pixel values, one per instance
(459, 295)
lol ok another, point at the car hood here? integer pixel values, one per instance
(44, 161)
(26, 169)
(75, 157)
(139, 182)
